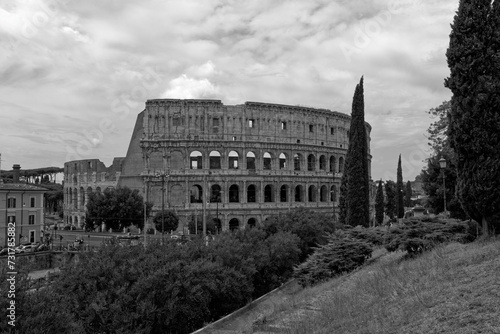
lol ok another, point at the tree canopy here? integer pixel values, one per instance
(475, 113)
(167, 220)
(400, 207)
(117, 208)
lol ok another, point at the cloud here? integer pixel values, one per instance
(185, 87)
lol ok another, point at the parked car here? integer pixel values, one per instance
(26, 248)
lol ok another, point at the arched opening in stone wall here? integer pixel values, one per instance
(215, 160)
(70, 197)
(341, 165)
(268, 193)
(196, 160)
(299, 196)
(323, 194)
(196, 194)
(267, 161)
(297, 161)
(333, 194)
(82, 198)
(284, 193)
(283, 162)
(311, 162)
(215, 194)
(233, 162)
(177, 195)
(176, 160)
(332, 164)
(251, 198)
(252, 222)
(311, 194)
(250, 160)
(75, 197)
(322, 162)
(234, 224)
(234, 194)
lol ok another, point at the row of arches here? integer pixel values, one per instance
(268, 162)
(77, 197)
(268, 194)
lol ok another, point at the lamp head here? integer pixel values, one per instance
(442, 162)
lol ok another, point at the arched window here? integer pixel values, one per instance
(311, 163)
(196, 160)
(311, 194)
(298, 194)
(322, 162)
(333, 194)
(323, 194)
(332, 164)
(283, 162)
(267, 161)
(251, 198)
(233, 160)
(284, 193)
(234, 224)
(252, 222)
(250, 160)
(268, 193)
(215, 194)
(70, 197)
(234, 195)
(82, 197)
(341, 165)
(214, 160)
(297, 161)
(75, 198)
(196, 194)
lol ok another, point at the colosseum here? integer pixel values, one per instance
(238, 164)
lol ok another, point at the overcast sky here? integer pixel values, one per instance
(75, 74)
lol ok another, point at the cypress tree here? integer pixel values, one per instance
(379, 204)
(474, 62)
(343, 197)
(408, 194)
(390, 194)
(357, 192)
(400, 208)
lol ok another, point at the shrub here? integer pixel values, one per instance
(417, 235)
(338, 256)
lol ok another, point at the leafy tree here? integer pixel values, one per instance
(357, 194)
(390, 194)
(167, 220)
(400, 209)
(211, 225)
(475, 114)
(379, 204)
(408, 194)
(117, 208)
(309, 226)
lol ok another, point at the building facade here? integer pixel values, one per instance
(238, 164)
(21, 211)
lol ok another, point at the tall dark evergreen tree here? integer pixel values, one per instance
(343, 197)
(379, 204)
(390, 194)
(474, 62)
(408, 194)
(357, 199)
(400, 208)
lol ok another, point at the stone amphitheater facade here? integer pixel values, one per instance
(237, 163)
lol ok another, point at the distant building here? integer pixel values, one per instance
(21, 211)
(237, 163)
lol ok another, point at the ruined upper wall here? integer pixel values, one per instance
(252, 121)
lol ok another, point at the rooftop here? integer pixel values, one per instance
(20, 186)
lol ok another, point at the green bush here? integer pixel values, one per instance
(337, 257)
(418, 235)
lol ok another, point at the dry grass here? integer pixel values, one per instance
(452, 289)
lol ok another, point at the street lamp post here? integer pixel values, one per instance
(442, 164)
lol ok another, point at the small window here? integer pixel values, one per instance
(31, 220)
(32, 202)
(298, 141)
(234, 138)
(322, 144)
(176, 121)
(90, 164)
(11, 203)
(283, 125)
(215, 123)
(311, 128)
(332, 131)
(251, 123)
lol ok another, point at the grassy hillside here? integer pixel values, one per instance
(452, 289)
